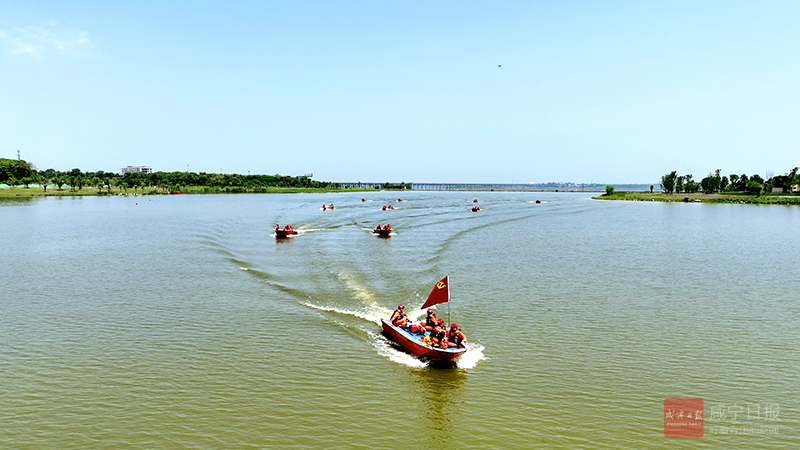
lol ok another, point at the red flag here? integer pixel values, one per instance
(439, 294)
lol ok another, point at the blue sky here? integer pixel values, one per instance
(605, 92)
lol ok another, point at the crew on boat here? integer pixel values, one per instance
(430, 320)
(388, 228)
(384, 208)
(324, 207)
(377, 229)
(455, 337)
(331, 207)
(438, 333)
(399, 317)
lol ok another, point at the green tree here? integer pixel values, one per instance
(609, 190)
(754, 188)
(668, 182)
(42, 180)
(734, 181)
(12, 168)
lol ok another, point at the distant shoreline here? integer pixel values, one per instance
(766, 199)
(52, 191)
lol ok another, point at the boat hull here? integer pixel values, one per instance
(412, 344)
(382, 233)
(284, 233)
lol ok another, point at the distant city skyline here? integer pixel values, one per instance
(504, 92)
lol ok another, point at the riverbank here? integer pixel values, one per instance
(38, 191)
(702, 198)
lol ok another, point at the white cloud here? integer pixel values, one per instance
(35, 42)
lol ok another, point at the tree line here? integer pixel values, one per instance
(715, 182)
(18, 172)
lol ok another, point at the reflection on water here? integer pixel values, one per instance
(441, 401)
(16, 201)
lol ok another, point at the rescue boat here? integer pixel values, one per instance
(382, 232)
(413, 344)
(475, 209)
(285, 232)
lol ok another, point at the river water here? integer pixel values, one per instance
(178, 322)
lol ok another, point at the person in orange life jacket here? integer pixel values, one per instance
(438, 332)
(324, 207)
(430, 320)
(399, 317)
(388, 227)
(455, 337)
(378, 228)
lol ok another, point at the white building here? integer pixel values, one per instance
(136, 169)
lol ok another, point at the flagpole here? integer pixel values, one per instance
(448, 301)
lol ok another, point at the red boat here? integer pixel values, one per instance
(383, 233)
(475, 209)
(285, 232)
(413, 344)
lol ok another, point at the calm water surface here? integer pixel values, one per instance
(181, 323)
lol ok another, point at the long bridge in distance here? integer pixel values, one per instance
(507, 187)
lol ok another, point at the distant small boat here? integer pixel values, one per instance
(383, 231)
(475, 209)
(285, 232)
(538, 201)
(475, 201)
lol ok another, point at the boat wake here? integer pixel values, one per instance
(470, 359)
(373, 313)
(385, 348)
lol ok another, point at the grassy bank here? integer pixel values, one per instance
(23, 192)
(768, 199)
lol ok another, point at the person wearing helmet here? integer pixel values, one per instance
(455, 337)
(430, 320)
(438, 333)
(399, 317)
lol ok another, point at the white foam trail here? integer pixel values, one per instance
(373, 315)
(244, 268)
(471, 357)
(384, 348)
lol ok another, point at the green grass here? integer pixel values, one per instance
(767, 199)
